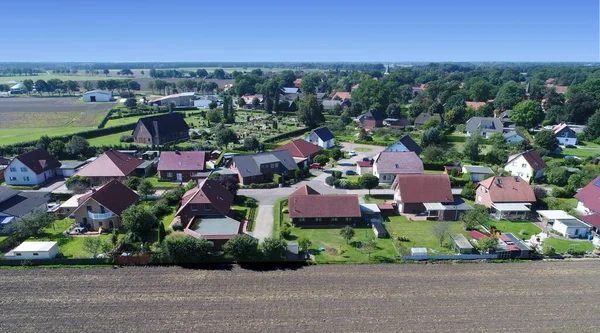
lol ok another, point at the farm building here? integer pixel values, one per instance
(97, 96)
(477, 172)
(33, 251)
(183, 99)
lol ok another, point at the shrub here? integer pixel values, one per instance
(126, 138)
(161, 208)
(575, 251)
(329, 180)
(304, 243)
(36, 187)
(285, 210)
(277, 179)
(173, 196)
(133, 182)
(261, 185)
(184, 249)
(468, 191)
(336, 174)
(242, 248)
(337, 182)
(285, 232)
(177, 226)
(548, 250)
(274, 248)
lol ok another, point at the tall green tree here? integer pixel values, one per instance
(546, 139)
(580, 107)
(310, 111)
(368, 181)
(592, 130)
(78, 146)
(138, 220)
(184, 249)
(471, 148)
(347, 233)
(527, 114)
(274, 248)
(242, 248)
(509, 95)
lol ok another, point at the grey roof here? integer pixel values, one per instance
(478, 169)
(488, 123)
(399, 162)
(72, 165)
(330, 104)
(576, 223)
(511, 133)
(424, 116)
(223, 171)
(410, 144)
(216, 225)
(23, 203)
(461, 241)
(290, 90)
(249, 165)
(519, 243)
(7, 193)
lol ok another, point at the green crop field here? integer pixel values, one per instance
(80, 76)
(111, 139)
(10, 136)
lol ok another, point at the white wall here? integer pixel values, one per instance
(99, 97)
(573, 232)
(566, 141)
(520, 167)
(28, 255)
(27, 177)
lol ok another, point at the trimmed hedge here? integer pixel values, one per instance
(261, 185)
(286, 135)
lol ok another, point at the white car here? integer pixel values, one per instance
(353, 153)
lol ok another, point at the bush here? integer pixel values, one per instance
(329, 180)
(126, 138)
(277, 179)
(336, 174)
(184, 249)
(562, 193)
(468, 191)
(285, 210)
(261, 185)
(242, 248)
(133, 182)
(285, 232)
(548, 250)
(36, 187)
(274, 248)
(173, 196)
(576, 251)
(337, 182)
(161, 208)
(177, 226)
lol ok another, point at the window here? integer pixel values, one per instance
(523, 165)
(35, 253)
(169, 174)
(89, 208)
(194, 207)
(12, 178)
(301, 219)
(23, 169)
(102, 210)
(100, 224)
(13, 169)
(207, 207)
(334, 219)
(26, 179)
(18, 254)
(318, 219)
(348, 219)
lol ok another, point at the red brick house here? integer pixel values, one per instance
(205, 213)
(302, 151)
(307, 207)
(181, 166)
(507, 197)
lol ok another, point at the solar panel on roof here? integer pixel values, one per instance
(597, 183)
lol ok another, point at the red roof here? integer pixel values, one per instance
(115, 196)
(385, 206)
(111, 164)
(475, 105)
(300, 148)
(308, 203)
(363, 164)
(415, 188)
(478, 235)
(342, 94)
(593, 220)
(182, 161)
(297, 83)
(508, 189)
(505, 238)
(39, 161)
(590, 195)
(208, 192)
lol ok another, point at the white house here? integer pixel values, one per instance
(31, 168)
(33, 251)
(572, 228)
(97, 96)
(405, 143)
(527, 165)
(322, 137)
(565, 135)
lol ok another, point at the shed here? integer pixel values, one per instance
(97, 96)
(572, 228)
(67, 169)
(460, 244)
(418, 251)
(33, 251)
(379, 230)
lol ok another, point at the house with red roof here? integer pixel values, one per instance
(342, 95)
(302, 151)
(565, 135)
(307, 207)
(475, 105)
(297, 83)
(102, 207)
(31, 168)
(110, 165)
(527, 165)
(510, 198)
(588, 205)
(428, 195)
(181, 166)
(205, 212)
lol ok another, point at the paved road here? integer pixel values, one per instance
(514, 297)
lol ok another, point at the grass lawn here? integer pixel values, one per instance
(583, 153)
(161, 185)
(515, 228)
(362, 149)
(420, 234)
(111, 139)
(10, 136)
(165, 220)
(353, 179)
(69, 246)
(249, 214)
(378, 198)
(562, 245)
(433, 172)
(277, 216)
(3, 237)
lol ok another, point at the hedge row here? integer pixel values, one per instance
(260, 185)
(106, 118)
(11, 242)
(286, 135)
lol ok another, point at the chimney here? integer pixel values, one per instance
(156, 136)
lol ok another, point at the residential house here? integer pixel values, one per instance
(387, 165)
(307, 207)
(297, 83)
(588, 205)
(102, 207)
(428, 195)
(372, 119)
(477, 172)
(364, 167)
(423, 117)
(475, 105)
(110, 165)
(67, 169)
(329, 105)
(181, 166)
(248, 99)
(354, 87)
(563, 223)
(513, 136)
(161, 129)
(565, 135)
(510, 198)
(418, 89)
(31, 168)
(303, 152)
(487, 126)
(405, 143)
(342, 95)
(15, 204)
(182, 99)
(33, 251)
(4, 162)
(527, 165)
(322, 137)
(97, 96)
(18, 88)
(205, 213)
(290, 93)
(504, 118)
(399, 123)
(260, 168)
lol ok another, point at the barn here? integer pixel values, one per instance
(97, 96)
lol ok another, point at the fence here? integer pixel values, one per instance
(452, 257)
(57, 261)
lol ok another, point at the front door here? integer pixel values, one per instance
(92, 98)
(85, 222)
(179, 177)
(111, 224)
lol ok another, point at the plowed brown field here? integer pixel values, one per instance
(519, 297)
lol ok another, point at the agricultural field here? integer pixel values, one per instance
(10, 136)
(318, 298)
(80, 76)
(111, 139)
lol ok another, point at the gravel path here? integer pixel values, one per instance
(263, 226)
(516, 297)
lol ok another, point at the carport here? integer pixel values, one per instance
(511, 211)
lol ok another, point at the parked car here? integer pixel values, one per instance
(352, 153)
(366, 159)
(570, 146)
(316, 166)
(350, 173)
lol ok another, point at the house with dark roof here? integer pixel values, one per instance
(505, 118)
(102, 207)
(158, 130)
(15, 204)
(428, 195)
(111, 165)
(405, 143)
(31, 168)
(372, 119)
(260, 168)
(205, 213)
(423, 117)
(527, 165)
(513, 137)
(510, 197)
(303, 152)
(487, 126)
(307, 207)
(322, 137)
(181, 166)
(387, 165)
(565, 135)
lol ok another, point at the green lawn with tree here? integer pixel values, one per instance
(563, 245)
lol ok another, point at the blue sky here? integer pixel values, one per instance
(331, 30)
